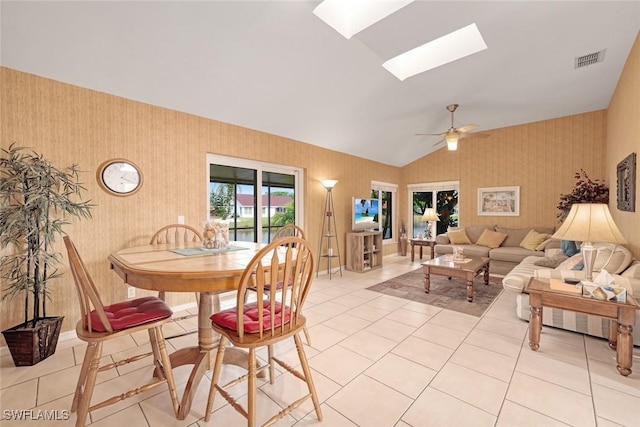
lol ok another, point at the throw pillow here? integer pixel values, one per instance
(491, 239)
(569, 247)
(551, 262)
(459, 237)
(532, 240)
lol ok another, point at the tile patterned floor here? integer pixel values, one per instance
(377, 361)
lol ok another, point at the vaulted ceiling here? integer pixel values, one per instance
(274, 66)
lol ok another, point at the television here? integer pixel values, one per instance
(365, 214)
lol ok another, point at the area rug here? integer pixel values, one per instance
(444, 293)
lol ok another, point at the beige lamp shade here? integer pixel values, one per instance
(329, 183)
(589, 222)
(430, 214)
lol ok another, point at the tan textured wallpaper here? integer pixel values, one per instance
(71, 124)
(623, 138)
(540, 157)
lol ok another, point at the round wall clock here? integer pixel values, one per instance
(119, 177)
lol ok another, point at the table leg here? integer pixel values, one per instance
(427, 282)
(470, 290)
(413, 255)
(624, 350)
(535, 319)
(200, 356)
(420, 251)
(613, 334)
(486, 274)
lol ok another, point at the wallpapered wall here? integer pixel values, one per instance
(71, 124)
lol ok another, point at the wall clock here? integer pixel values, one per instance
(119, 177)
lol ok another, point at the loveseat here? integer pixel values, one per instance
(557, 264)
(505, 247)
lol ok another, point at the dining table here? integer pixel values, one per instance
(188, 267)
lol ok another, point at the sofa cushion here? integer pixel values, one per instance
(570, 262)
(459, 237)
(533, 239)
(491, 239)
(632, 272)
(515, 235)
(514, 255)
(469, 250)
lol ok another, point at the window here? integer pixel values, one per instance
(385, 193)
(239, 189)
(444, 197)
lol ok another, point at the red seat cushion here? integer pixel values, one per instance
(229, 318)
(127, 314)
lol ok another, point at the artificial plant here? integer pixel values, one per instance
(36, 199)
(586, 190)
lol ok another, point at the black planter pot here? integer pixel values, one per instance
(29, 346)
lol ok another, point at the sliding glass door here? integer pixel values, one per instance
(256, 198)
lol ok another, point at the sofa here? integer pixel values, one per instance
(505, 247)
(616, 260)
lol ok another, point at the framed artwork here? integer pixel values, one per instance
(627, 183)
(499, 201)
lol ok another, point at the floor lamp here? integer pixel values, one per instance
(588, 223)
(329, 221)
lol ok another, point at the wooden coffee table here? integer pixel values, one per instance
(550, 293)
(468, 269)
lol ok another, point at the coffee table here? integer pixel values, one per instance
(552, 293)
(467, 269)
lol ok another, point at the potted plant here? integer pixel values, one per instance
(36, 201)
(586, 190)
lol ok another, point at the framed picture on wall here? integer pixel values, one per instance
(627, 183)
(499, 201)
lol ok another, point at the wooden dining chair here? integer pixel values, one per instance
(267, 321)
(174, 233)
(99, 323)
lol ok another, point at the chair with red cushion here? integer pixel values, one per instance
(267, 321)
(99, 323)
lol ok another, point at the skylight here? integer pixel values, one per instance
(458, 44)
(349, 17)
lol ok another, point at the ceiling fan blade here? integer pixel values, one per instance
(467, 128)
(438, 143)
(429, 134)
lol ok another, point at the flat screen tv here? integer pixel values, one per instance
(365, 214)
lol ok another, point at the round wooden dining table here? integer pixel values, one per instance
(187, 267)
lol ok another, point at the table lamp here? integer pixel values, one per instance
(589, 223)
(430, 214)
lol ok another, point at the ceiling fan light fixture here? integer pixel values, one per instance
(452, 140)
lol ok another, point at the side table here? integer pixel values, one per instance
(556, 294)
(421, 243)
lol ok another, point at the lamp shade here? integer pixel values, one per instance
(452, 140)
(430, 214)
(329, 183)
(589, 222)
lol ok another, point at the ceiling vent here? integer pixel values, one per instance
(588, 59)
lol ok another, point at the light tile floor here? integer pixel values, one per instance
(377, 361)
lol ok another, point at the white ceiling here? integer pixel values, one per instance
(276, 67)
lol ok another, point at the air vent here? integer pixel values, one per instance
(588, 59)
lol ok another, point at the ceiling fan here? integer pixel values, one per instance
(453, 135)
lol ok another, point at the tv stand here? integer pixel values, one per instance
(364, 251)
